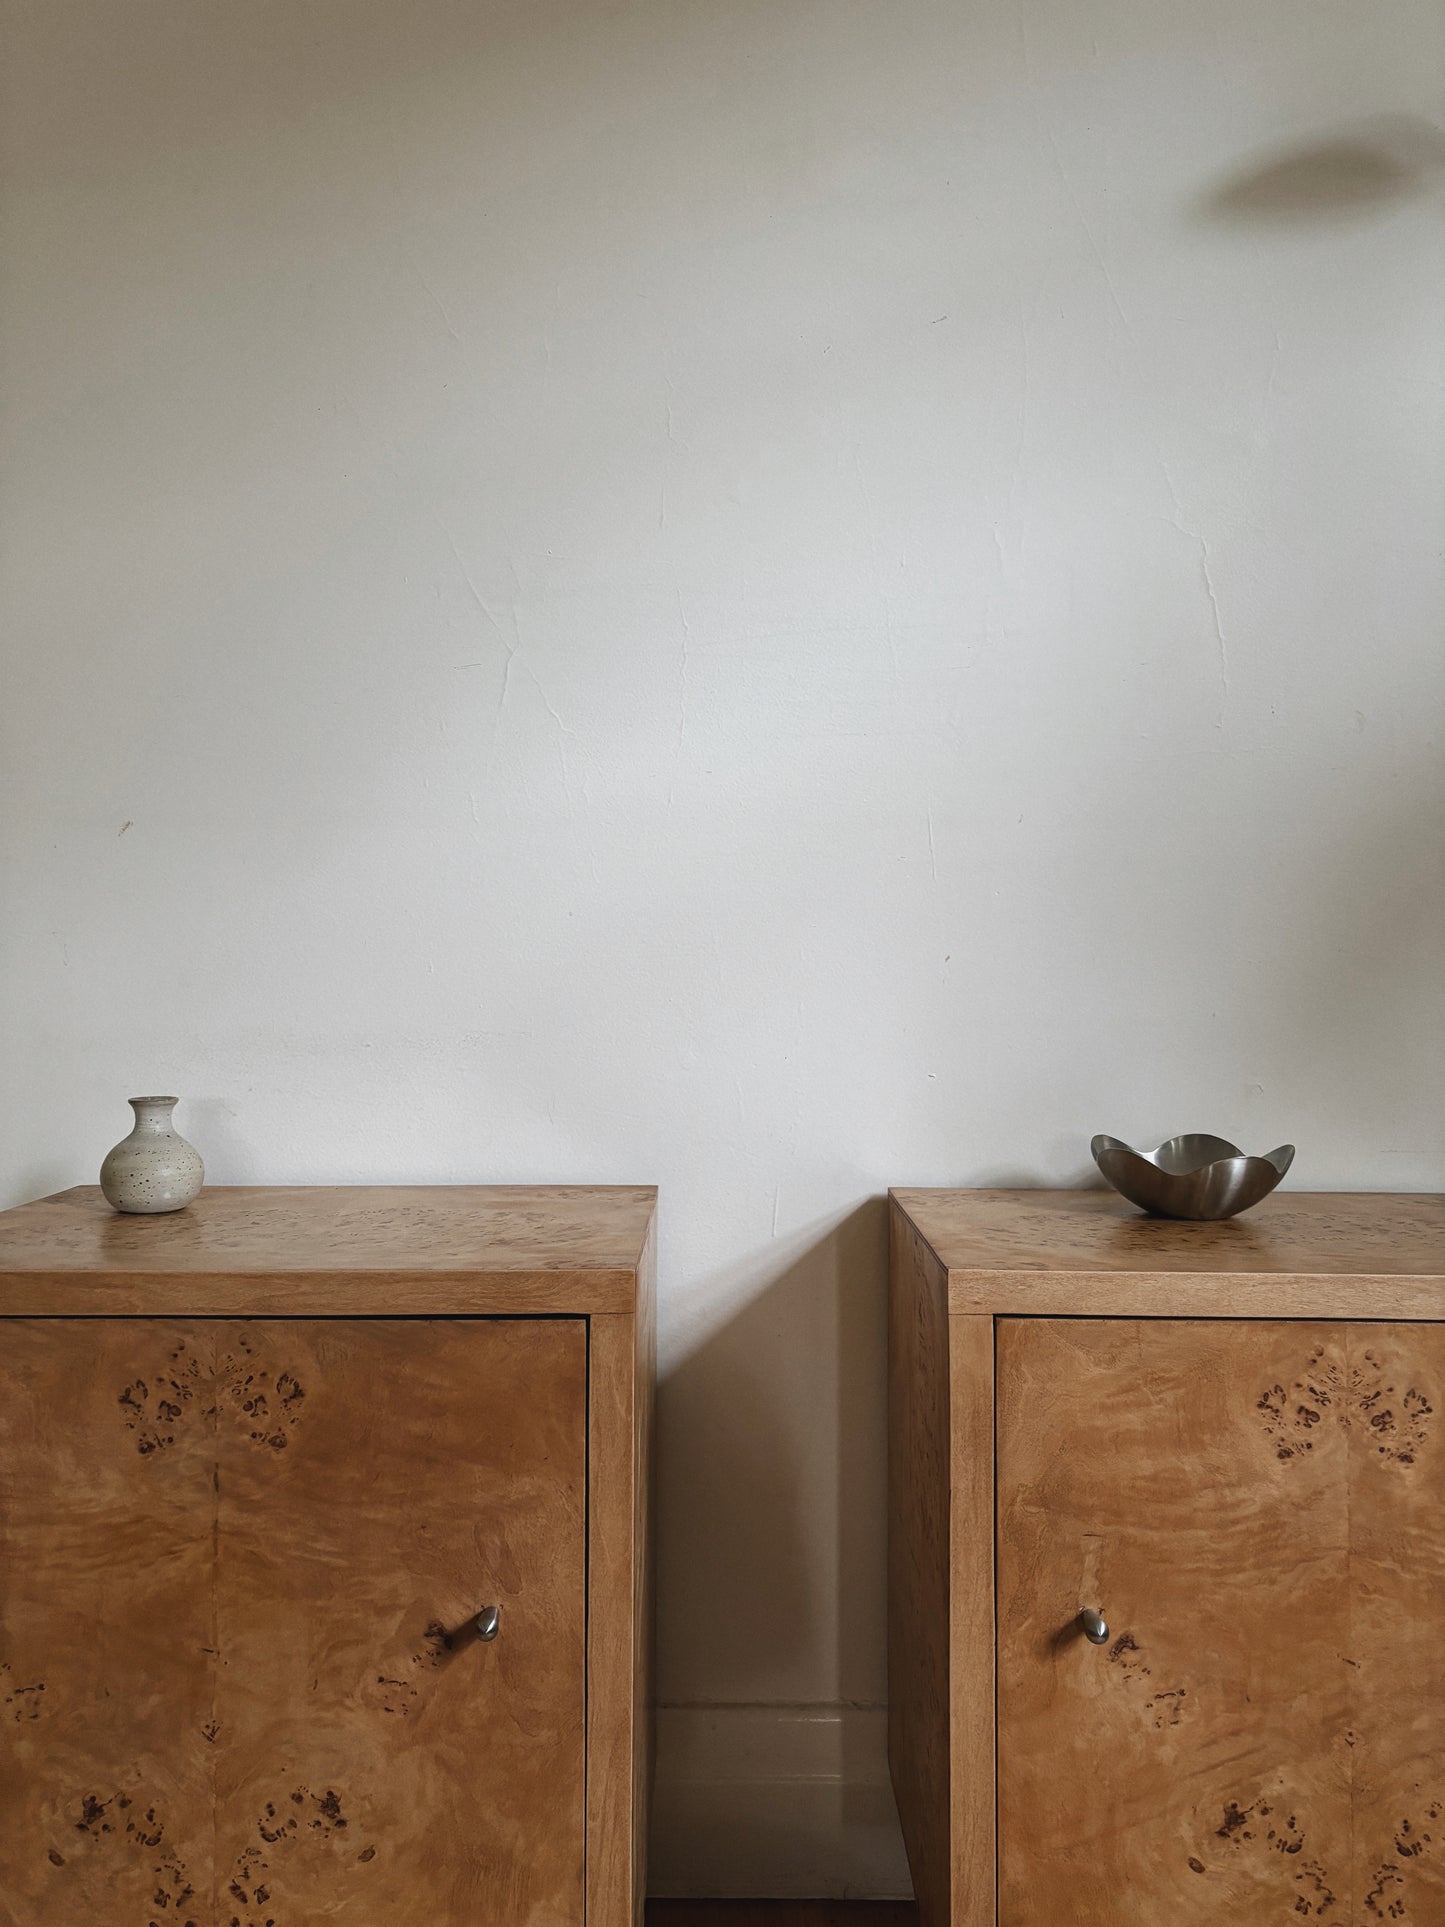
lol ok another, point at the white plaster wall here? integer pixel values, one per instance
(772, 597)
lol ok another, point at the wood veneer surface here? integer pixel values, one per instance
(433, 1467)
(338, 1251)
(1089, 1253)
(106, 1627)
(229, 1554)
(940, 1585)
(1255, 1507)
(920, 1715)
(1388, 1387)
(971, 1639)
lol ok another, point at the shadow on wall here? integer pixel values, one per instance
(772, 1451)
(1380, 161)
(43, 1180)
(745, 1420)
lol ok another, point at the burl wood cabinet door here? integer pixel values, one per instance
(237, 1560)
(1258, 1510)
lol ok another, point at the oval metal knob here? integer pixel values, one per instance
(1093, 1626)
(488, 1622)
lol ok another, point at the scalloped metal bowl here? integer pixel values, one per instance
(1195, 1176)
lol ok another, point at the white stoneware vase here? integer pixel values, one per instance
(153, 1169)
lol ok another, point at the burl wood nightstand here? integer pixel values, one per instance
(1225, 1444)
(324, 1565)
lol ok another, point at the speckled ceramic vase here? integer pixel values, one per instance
(153, 1169)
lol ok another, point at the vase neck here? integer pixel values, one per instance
(153, 1114)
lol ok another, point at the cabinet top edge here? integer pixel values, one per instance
(534, 1241)
(1007, 1250)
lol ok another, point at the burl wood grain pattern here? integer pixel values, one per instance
(379, 1481)
(107, 1461)
(1393, 1412)
(433, 1250)
(273, 1257)
(1300, 1254)
(1255, 1508)
(236, 1561)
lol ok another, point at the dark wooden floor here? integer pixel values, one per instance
(781, 1913)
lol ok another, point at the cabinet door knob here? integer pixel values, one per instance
(488, 1622)
(1093, 1626)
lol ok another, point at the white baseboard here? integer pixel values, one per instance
(764, 1802)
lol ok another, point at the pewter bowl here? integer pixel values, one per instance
(1195, 1176)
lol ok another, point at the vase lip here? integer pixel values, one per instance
(139, 1101)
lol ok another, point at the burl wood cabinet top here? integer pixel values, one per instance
(347, 1251)
(1090, 1254)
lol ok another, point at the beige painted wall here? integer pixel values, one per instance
(773, 597)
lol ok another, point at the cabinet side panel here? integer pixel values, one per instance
(107, 1435)
(617, 1641)
(972, 1752)
(644, 1570)
(918, 1561)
